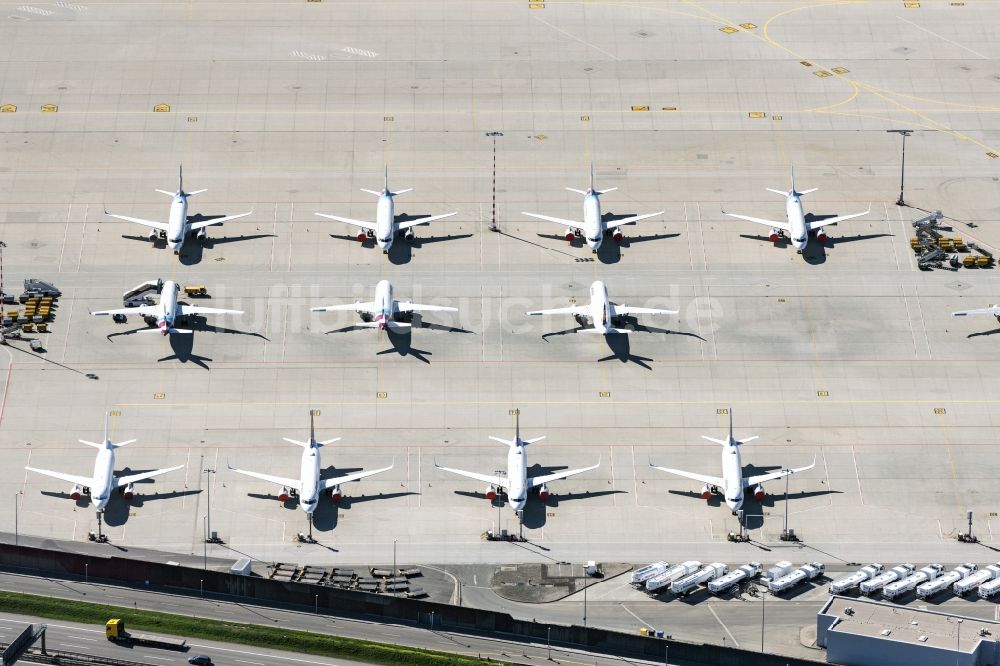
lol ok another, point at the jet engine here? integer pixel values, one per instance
(543, 493)
(362, 236)
(491, 493)
(409, 234)
(128, 492)
(284, 494)
(75, 493)
(617, 236)
(154, 234)
(366, 316)
(774, 235)
(570, 235)
(201, 233)
(821, 236)
(758, 493)
(706, 492)
(335, 494)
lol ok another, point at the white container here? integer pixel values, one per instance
(850, 582)
(734, 577)
(670, 575)
(886, 577)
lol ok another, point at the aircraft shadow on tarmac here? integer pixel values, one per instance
(982, 333)
(620, 345)
(327, 513)
(182, 344)
(535, 511)
(117, 511)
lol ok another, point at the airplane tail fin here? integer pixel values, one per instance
(730, 440)
(312, 426)
(793, 191)
(304, 445)
(180, 179)
(385, 179)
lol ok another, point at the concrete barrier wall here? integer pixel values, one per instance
(334, 601)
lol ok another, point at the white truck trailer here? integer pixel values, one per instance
(902, 586)
(990, 588)
(703, 575)
(875, 584)
(723, 584)
(800, 575)
(944, 581)
(974, 580)
(850, 582)
(640, 576)
(780, 569)
(676, 572)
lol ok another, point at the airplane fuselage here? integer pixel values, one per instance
(600, 307)
(732, 475)
(385, 221)
(309, 475)
(168, 306)
(177, 223)
(385, 306)
(103, 478)
(517, 477)
(593, 223)
(796, 221)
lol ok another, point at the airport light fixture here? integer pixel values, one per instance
(902, 167)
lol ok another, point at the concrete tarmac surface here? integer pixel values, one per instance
(846, 353)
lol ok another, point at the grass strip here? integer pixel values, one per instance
(263, 636)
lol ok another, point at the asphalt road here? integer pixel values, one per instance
(90, 639)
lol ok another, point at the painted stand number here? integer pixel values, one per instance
(49, 108)
(159, 396)
(8, 108)
(823, 394)
(605, 394)
(513, 412)
(383, 394)
(161, 108)
(315, 412)
(940, 410)
(722, 411)
(115, 413)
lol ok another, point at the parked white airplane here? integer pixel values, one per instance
(100, 485)
(167, 311)
(604, 314)
(732, 482)
(385, 228)
(384, 312)
(517, 483)
(795, 225)
(178, 226)
(993, 310)
(594, 228)
(309, 486)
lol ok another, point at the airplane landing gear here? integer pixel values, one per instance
(100, 537)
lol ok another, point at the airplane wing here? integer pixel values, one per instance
(195, 226)
(833, 220)
(703, 478)
(557, 220)
(536, 481)
(347, 478)
(990, 311)
(485, 478)
(198, 309)
(778, 474)
(630, 220)
(278, 480)
(162, 226)
(75, 480)
(422, 220)
(132, 478)
(370, 226)
(629, 310)
(406, 306)
(573, 309)
(784, 226)
(141, 310)
(349, 307)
